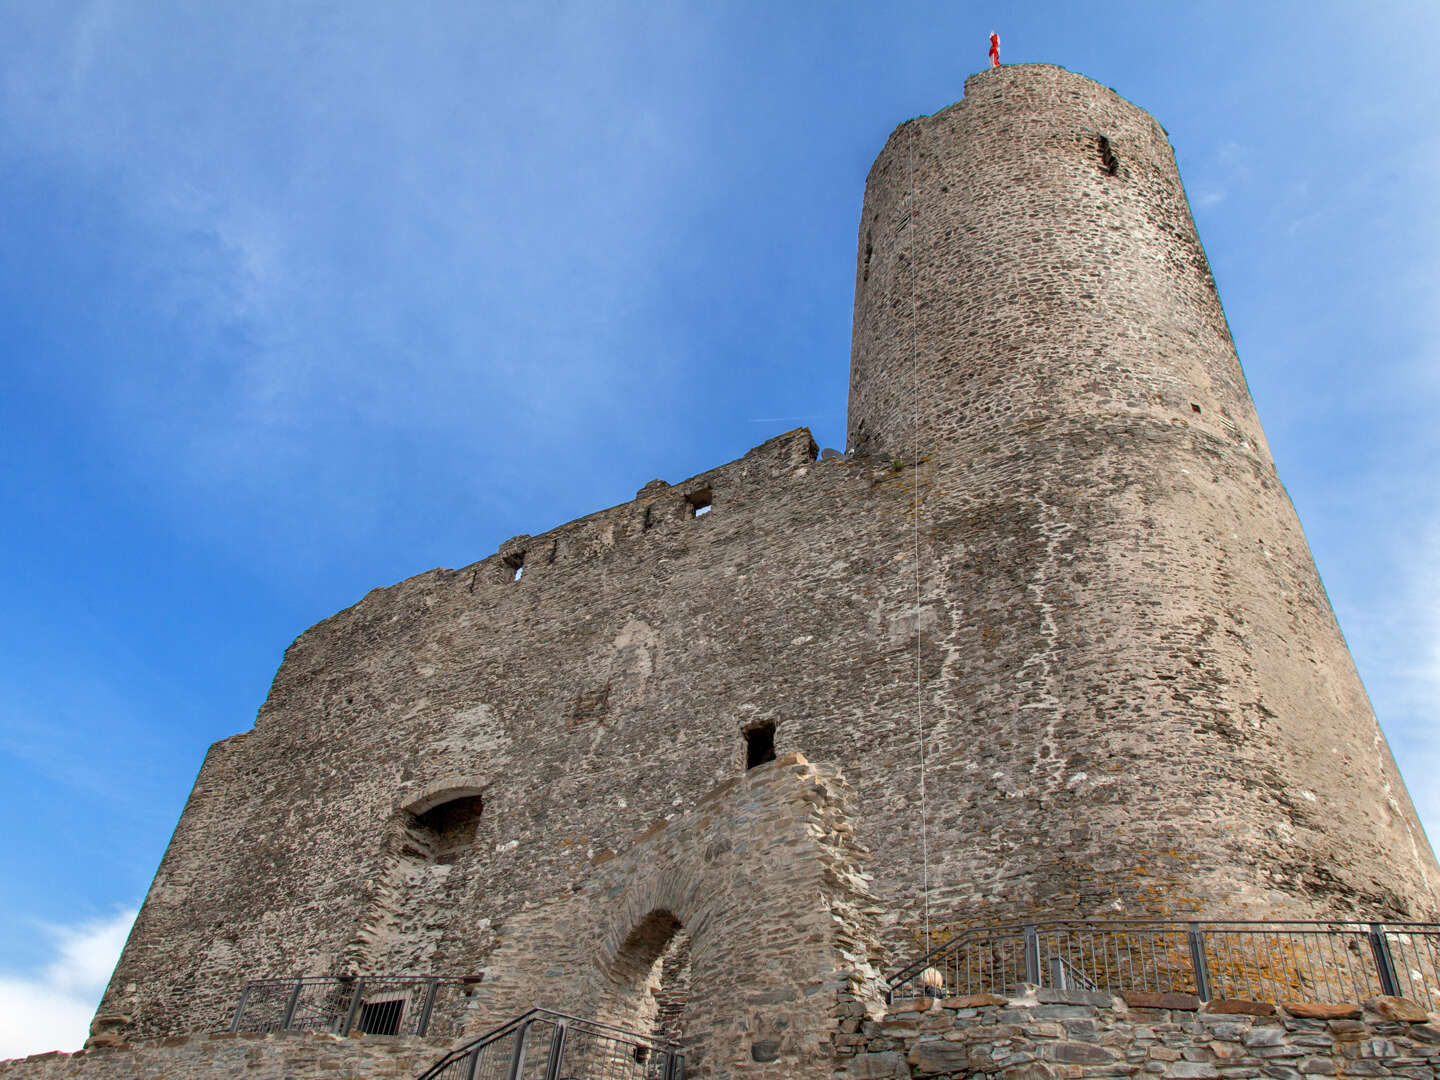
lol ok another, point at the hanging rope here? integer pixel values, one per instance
(915, 480)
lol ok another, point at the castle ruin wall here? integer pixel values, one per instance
(1133, 695)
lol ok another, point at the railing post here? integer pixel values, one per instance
(557, 1051)
(290, 1006)
(1384, 962)
(517, 1060)
(1196, 939)
(354, 1009)
(1032, 955)
(424, 1023)
(240, 1009)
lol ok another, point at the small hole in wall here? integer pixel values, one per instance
(1107, 155)
(699, 502)
(759, 745)
(1194, 407)
(516, 565)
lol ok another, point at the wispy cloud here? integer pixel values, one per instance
(328, 266)
(50, 1009)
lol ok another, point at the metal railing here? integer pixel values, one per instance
(1328, 962)
(373, 1004)
(545, 1045)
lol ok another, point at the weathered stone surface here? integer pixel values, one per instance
(1117, 1045)
(938, 1056)
(1078, 1053)
(1240, 1007)
(765, 1049)
(1270, 1035)
(1140, 999)
(1184, 1070)
(1030, 1070)
(281, 1056)
(1398, 1008)
(1050, 996)
(1315, 1010)
(972, 1001)
(885, 1064)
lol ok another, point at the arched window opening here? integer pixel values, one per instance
(446, 829)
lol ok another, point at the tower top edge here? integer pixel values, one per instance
(1007, 75)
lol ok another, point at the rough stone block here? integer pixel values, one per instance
(881, 1066)
(1144, 999)
(1192, 1070)
(1239, 1007)
(1050, 996)
(1316, 1010)
(1398, 1008)
(939, 1056)
(1270, 1035)
(1078, 1053)
(972, 1001)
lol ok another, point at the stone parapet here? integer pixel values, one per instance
(274, 1056)
(1049, 1034)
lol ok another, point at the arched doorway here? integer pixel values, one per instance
(651, 976)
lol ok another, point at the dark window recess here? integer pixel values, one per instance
(759, 745)
(1107, 156)
(381, 1017)
(699, 502)
(450, 827)
(516, 565)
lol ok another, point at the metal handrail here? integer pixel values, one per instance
(1315, 960)
(575, 1047)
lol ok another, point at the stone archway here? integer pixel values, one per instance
(651, 977)
(763, 875)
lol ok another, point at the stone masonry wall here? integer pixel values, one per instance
(764, 877)
(1052, 1034)
(280, 1056)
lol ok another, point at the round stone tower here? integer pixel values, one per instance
(1138, 667)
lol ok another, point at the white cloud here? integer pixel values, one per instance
(50, 1009)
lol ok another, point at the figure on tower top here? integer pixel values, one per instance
(994, 50)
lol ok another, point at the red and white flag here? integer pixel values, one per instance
(994, 50)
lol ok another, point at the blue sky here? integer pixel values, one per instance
(297, 299)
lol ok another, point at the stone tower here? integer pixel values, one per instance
(1152, 659)
(1053, 626)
